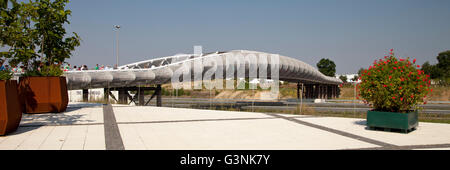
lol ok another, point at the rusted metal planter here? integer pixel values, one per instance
(43, 94)
(10, 111)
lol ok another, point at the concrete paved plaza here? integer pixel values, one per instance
(99, 127)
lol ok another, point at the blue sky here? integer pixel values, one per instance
(353, 33)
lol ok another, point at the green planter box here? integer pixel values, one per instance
(392, 120)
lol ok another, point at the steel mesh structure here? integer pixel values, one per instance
(161, 70)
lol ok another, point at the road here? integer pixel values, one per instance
(285, 105)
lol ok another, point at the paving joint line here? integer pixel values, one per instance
(113, 139)
(195, 120)
(338, 132)
(408, 147)
(168, 121)
(41, 125)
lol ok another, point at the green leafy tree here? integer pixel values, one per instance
(441, 71)
(443, 66)
(7, 18)
(327, 67)
(3, 4)
(49, 18)
(35, 36)
(343, 78)
(355, 78)
(431, 70)
(16, 36)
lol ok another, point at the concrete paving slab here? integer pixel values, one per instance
(34, 141)
(156, 128)
(133, 139)
(73, 115)
(15, 139)
(268, 134)
(149, 114)
(95, 138)
(2, 138)
(56, 138)
(80, 127)
(75, 139)
(426, 134)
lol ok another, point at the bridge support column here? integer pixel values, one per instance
(106, 95)
(306, 91)
(85, 95)
(332, 91)
(324, 91)
(334, 87)
(319, 95)
(316, 93)
(329, 92)
(320, 91)
(123, 96)
(141, 96)
(158, 96)
(309, 91)
(338, 91)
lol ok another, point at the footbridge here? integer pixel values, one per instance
(154, 72)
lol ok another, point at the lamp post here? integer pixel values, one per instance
(117, 27)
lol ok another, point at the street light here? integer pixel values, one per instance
(117, 27)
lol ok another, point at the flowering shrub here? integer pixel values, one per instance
(394, 85)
